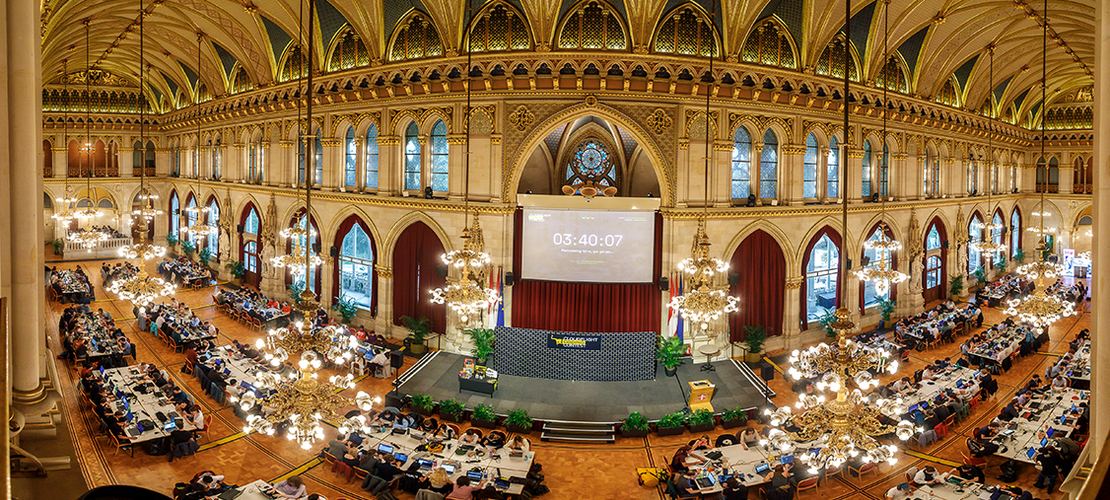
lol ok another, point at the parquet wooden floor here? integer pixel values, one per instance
(573, 471)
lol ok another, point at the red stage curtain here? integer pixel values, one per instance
(835, 238)
(586, 307)
(341, 233)
(415, 260)
(761, 287)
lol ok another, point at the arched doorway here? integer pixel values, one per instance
(417, 270)
(934, 278)
(249, 249)
(760, 282)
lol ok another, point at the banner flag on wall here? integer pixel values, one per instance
(672, 315)
(681, 321)
(500, 303)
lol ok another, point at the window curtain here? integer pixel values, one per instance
(344, 228)
(835, 238)
(416, 272)
(761, 285)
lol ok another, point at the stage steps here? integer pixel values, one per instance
(579, 432)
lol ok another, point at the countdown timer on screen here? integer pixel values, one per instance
(596, 246)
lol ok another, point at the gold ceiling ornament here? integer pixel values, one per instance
(845, 426)
(589, 190)
(705, 300)
(467, 297)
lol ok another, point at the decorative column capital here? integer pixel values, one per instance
(794, 283)
(384, 272)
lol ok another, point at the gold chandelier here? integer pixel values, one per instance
(845, 426)
(142, 289)
(705, 301)
(467, 297)
(332, 342)
(198, 230)
(1040, 309)
(882, 274)
(299, 259)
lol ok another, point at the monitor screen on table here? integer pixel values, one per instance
(425, 462)
(761, 468)
(401, 457)
(449, 468)
(600, 246)
(788, 459)
(473, 474)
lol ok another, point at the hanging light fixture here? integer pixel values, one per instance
(883, 274)
(1041, 309)
(143, 289)
(89, 238)
(845, 426)
(705, 300)
(987, 246)
(199, 230)
(467, 297)
(301, 401)
(67, 200)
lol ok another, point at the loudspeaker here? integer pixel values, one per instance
(509, 279)
(944, 244)
(767, 372)
(396, 359)
(733, 279)
(874, 197)
(865, 260)
(751, 200)
(316, 247)
(239, 229)
(441, 269)
(334, 251)
(849, 264)
(427, 192)
(664, 284)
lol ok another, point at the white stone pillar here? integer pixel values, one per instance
(790, 173)
(384, 322)
(334, 165)
(791, 326)
(389, 165)
(456, 166)
(854, 164)
(1100, 287)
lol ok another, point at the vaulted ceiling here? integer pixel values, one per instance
(937, 40)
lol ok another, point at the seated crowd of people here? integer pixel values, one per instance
(108, 230)
(83, 332)
(177, 321)
(938, 323)
(70, 286)
(253, 303)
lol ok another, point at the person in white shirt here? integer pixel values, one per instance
(928, 476)
(900, 492)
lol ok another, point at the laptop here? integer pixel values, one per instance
(227, 371)
(449, 468)
(355, 439)
(425, 463)
(473, 474)
(385, 448)
(705, 481)
(401, 457)
(1051, 431)
(129, 416)
(1032, 451)
(230, 494)
(788, 459)
(761, 468)
(1044, 442)
(171, 425)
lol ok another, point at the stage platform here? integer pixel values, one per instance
(437, 375)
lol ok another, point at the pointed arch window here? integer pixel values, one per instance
(412, 157)
(439, 157)
(897, 77)
(948, 95)
(809, 168)
(292, 67)
(499, 29)
(1053, 175)
(687, 31)
(865, 174)
(175, 214)
(416, 39)
(348, 52)
(372, 157)
(832, 170)
(241, 82)
(1042, 180)
(831, 61)
(250, 226)
(216, 156)
(317, 160)
(213, 218)
(191, 214)
(974, 235)
(972, 175)
(591, 162)
(996, 235)
(821, 278)
(741, 164)
(884, 172)
(350, 163)
(592, 26)
(932, 271)
(769, 44)
(1015, 232)
(768, 166)
(872, 258)
(356, 267)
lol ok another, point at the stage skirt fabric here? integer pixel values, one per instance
(599, 357)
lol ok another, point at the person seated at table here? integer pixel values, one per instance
(437, 480)
(338, 447)
(217, 378)
(292, 487)
(403, 421)
(931, 419)
(687, 486)
(684, 457)
(900, 492)
(429, 426)
(378, 480)
(903, 386)
(212, 484)
(1034, 383)
(194, 416)
(495, 440)
(1061, 382)
(519, 443)
(967, 473)
(928, 476)
(1011, 411)
(929, 372)
(942, 407)
(781, 482)
(470, 437)
(445, 431)
(702, 443)
(178, 397)
(748, 437)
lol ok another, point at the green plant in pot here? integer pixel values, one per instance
(702, 421)
(755, 336)
(58, 246)
(636, 425)
(419, 328)
(483, 339)
(669, 352)
(346, 308)
(483, 416)
(204, 256)
(886, 309)
(449, 409)
(295, 288)
(1000, 264)
(237, 270)
(671, 424)
(734, 417)
(980, 275)
(1019, 256)
(188, 248)
(423, 404)
(171, 241)
(519, 422)
(827, 321)
(956, 287)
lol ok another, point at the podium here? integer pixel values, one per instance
(701, 392)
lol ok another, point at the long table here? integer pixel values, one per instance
(954, 491)
(188, 332)
(71, 288)
(143, 405)
(1026, 431)
(948, 380)
(101, 343)
(1079, 370)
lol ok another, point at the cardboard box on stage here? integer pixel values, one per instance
(701, 392)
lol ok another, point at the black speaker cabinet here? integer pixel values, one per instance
(509, 278)
(396, 359)
(767, 372)
(664, 283)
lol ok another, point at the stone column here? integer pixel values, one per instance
(854, 164)
(790, 174)
(283, 168)
(791, 329)
(905, 178)
(456, 166)
(682, 169)
(495, 171)
(384, 322)
(753, 172)
(334, 165)
(59, 162)
(126, 161)
(235, 163)
(1067, 174)
(1100, 287)
(360, 166)
(389, 165)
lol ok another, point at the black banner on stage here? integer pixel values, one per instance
(573, 342)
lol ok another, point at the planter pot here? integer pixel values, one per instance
(519, 429)
(730, 424)
(888, 324)
(417, 348)
(237, 281)
(485, 424)
(427, 412)
(447, 417)
(954, 297)
(670, 371)
(634, 434)
(753, 357)
(670, 431)
(702, 427)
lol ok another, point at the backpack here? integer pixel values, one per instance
(651, 477)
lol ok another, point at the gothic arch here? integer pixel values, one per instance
(342, 215)
(390, 241)
(769, 228)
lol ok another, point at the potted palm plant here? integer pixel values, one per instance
(886, 308)
(237, 270)
(755, 336)
(672, 424)
(827, 321)
(636, 425)
(980, 276)
(450, 410)
(419, 328)
(187, 247)
(669, 352)
(58, 245)
(734, 417)
(171, 241)
(205, 256)
(483, 416)
(346, 308)
(423, 404)
(702, 421)
(519, 422)
(955, 287)
(483, 343)
(1019, 256)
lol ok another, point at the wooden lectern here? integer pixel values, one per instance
(701, 392)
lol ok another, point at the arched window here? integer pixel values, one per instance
(216, 160)
(932, 240)
(350, 165)
(412, 157)
(250, 256)
(293, 66)
(884, 171)
(831, 61)
(1015, 232)
(741, 164)
(175, 220)
(1042, 181)
(317, 160)
(349, 51)
(821, 278)
(768, 166)
(974, 235)
(832, 170)
(251, 224)
(865, 176)
(499, 28)
(439, 157)
(686, 31)
(593, 26)
(993, 169)
(1053, 175)
(591, 162)
(972, 175)
(213, 219)
(932, 178)
(769, 44)
(809, 168)
(296, 246)
(175, 162)
(252, 161)
(372, 157)
(137, 155)
(873, 258)
(416, 39)
(932, 271)
(356, 267)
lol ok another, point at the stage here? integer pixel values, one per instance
(437, 375)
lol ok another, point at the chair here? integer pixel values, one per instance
(328, 457)
(941, 430)
(833, 472)
(864, 469)
(256, 324)
(807, 484)
(341, 469)
(929, 344)
(958, 330)
(199, 433)
(979, 461)
(910, 473)
(974, 403)
(123, 445)
(671, 491)
(927, 438)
